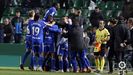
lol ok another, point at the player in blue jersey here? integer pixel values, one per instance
(28, 40)
(51, 11)
(62, 53)
(49, 41)
(85, 63)
(37, 42)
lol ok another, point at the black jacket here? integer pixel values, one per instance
(75, 37)
(120, 35)
(95, 17)
(8, 30)
(130, 41)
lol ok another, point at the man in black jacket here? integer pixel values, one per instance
(130, 41)
(95, 17)
(119, 34)
(8, 31)
(76, 43)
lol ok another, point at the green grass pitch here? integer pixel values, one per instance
(16, 71)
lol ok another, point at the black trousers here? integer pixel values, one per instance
(18, 38)
(119, 56)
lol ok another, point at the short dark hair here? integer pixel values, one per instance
(113, 20)
(18, 11)
(76, 20)
(36, 17)
(97, 8)
(55, 4)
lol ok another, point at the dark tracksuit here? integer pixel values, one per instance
(75, 44)
(8, 30)
(130, 41)
(119, 33)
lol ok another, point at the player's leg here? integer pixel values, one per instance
(24, 58)
(46, 56)
(60, 57)
(34, 57)
(41, 57)
(31, 62)
(97, 61)
(73, 55)
(52, 54)
(87, 62)
(66, 62)
(83, 61)
(26, 54)
(102, 58)
(110, 59)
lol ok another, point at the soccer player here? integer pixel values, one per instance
(28, 40)
(51, 11)
(49, 40)
(62, 53)
(102, 36)
(85, 67)
(37, 42)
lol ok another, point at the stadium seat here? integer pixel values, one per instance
(86, 12)
(78, 3)
(119, 5)
(117, 13)
(109, 13)
(109, 5)
(60, 13)
(102, 5)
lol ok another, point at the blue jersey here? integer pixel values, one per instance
(49, 34)
(18, 28)
(51, 11)
(63, 47)
(28, 30)
(37, 31)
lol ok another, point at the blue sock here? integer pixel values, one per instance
(41, 61)
(80, 64)
(34, 60)
(66, 63)
(52, 64)
(83, 61)
(31, 61)
(25, 57)
(74, 64)
(60, 64)
(73, 55)
(87, 62)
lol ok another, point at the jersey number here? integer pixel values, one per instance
(28, 30)
(35, 31)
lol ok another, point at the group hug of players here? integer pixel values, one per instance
(40, 43)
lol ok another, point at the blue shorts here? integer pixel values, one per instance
(28, 45)
(49, 48)
(28, 42)
(62, 51)
(37, 47)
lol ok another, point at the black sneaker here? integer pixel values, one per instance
(31, 68)
(97, 71)
(110, 72)
(21, 67)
